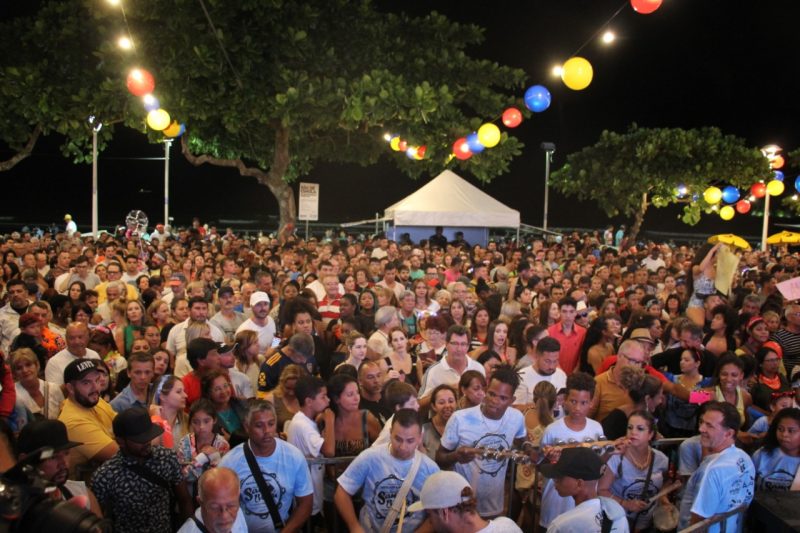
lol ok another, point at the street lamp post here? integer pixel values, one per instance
(549, 149)
(96, 126)
(167, 145)
(770, 152)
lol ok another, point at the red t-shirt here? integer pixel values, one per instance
(570, 345)
(191, 384)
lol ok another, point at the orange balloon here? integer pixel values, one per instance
(777, 162)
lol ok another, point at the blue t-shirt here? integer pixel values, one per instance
(724, 481)
(775, 470)
(286, 473)
(379, 476)
(469, 427)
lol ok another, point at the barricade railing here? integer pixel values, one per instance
(721, 519)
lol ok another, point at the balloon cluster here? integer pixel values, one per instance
(400, 145)
(141, 83)
(730, 195)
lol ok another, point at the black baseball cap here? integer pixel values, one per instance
(135, 424)
(78, 368)
(44, 433)
(225, 290)
(579, 463)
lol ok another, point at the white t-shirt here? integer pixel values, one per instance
(379, 343)
(176, 344)
(286, 473)
(54, 371)
(52, 394)
(529, 378)
(239, 525)
(441, 372)
(379, 476)
(469, 427)
(241, 383)
(724, 481)
(304, 434)
(588, 518)
(554, 505)
(265, 333)
(501, 524)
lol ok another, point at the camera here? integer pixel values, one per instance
(25, 504)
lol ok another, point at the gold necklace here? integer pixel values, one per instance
(641, 466)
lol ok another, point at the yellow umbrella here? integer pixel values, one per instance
(784, 237)
(730, 239)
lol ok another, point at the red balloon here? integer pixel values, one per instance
(759, 190)
(402, 145)
(743, 207)
(421, 151)
(512, 117)
(461, 149)
(140, 82)
(645, 7)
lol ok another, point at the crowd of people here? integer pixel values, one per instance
(198, 381)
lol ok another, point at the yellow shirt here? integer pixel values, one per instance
(607, 396)
(91, 427)
(133, 294)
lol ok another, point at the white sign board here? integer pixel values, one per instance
(308, 202)
(790, 289)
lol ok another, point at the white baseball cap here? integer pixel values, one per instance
(258, 297)
(441, 490)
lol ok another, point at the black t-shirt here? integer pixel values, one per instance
(378, 409)
(670, 360)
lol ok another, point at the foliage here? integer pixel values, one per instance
(625, 173)
(304, 82)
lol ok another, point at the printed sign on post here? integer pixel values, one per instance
(308, 202)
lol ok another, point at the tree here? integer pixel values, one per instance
(275, 87)
(626, 173)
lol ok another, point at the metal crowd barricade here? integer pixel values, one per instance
(721, 519)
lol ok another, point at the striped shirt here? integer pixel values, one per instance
(790, 343)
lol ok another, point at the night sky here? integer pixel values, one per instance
(693, 63)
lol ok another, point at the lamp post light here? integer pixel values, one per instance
(549, 148)
(96, 126)
(770, 152)
(167, 145)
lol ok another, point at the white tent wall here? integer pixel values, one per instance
(450, 201)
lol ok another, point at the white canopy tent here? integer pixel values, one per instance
(450, 201)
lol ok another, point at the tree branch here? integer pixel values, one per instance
(24, 152)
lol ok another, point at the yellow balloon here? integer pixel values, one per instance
(489, 135)
(775, 188)
(395, 144)
(577, 73)
(158, 119)
(727, 212)
(712, 195)
(173, 129)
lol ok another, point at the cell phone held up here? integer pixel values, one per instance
(699, 397)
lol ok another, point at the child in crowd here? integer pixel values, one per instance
(202, 448)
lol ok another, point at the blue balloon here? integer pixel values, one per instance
(537, 98)
(475, 146)
(152, 103)
(797, 184)
(730, 194)
(778, 175)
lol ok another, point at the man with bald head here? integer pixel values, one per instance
(608, 394)
(77, 337)
(219, 511)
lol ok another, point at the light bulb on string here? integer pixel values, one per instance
(608, 37)
(556, 71)
(125, 43)
(114, 2)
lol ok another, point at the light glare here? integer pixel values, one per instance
(113, 2)
(609, 37)
(557, 70)
(125, 43)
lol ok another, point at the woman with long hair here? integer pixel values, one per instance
(548, 313)
(633, 477)
(356, 344)
(700, 281)
(756, 333)
(600, 342)
(680, 416)
(366, 310)
(159, 313)
(216, 387)
(282, 396)
(248, 359)
(443, 405)
(422, 297)
(673, 306)
(400, 364)
(721, 339)
(728, 384)
(497, 341)
(780, 453)
(479, 328)
(169, 411)
(76, 292)
(135, 322)
(457, 312)
(42, 398)
(768, 379)
(645, 393)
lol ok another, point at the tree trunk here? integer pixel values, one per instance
(272, 179)
(26, 150)
(639, 218)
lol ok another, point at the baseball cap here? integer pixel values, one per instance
(642, 335)
(578, 463)
(78, 368)
(258, 297)
(225, 290)
(177, 279)
(135, 424)
(44, 433)
(442, 490)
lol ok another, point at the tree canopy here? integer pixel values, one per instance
(275, 88)
(625, 173)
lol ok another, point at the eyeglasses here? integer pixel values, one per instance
(582, 315)
(640, 362)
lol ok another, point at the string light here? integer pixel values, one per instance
(556, 71)
(113, 2)
(609, 37)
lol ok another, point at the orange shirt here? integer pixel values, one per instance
(570, 345)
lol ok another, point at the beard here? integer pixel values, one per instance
(86, 401)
